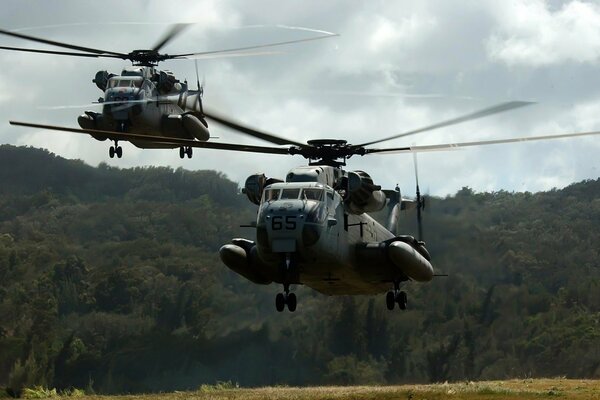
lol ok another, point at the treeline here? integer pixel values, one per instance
(110, 281)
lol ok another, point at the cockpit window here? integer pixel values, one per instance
(312, 194)
(124, 83)
(290, 193)
(271, 194)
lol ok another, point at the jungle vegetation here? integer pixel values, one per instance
(110, 281)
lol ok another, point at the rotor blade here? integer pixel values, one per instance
(260, 46)
(224, 55)
(197, 75)
(451, 146)
(478, 114)
(248, 130)
(60, 53)
(175, 30)
(104, 103)
(60, 44)
(159, 139)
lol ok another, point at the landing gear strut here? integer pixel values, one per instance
(115, 150)
(185, 150)
(396, 296)
(285, 298)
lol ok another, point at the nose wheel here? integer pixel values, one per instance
(285, 298)
(185, 151)
(115, 150)
(396, 296)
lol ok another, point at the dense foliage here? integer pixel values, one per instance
(110, 281)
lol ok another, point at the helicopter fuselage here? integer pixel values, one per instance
(305, 234)
(141, 101)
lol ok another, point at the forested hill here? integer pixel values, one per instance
(110, 281)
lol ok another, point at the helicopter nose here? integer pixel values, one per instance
(284, 221)
(118, 107)
(289, 225)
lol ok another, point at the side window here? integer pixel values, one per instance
(270, 195)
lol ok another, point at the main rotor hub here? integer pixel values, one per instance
(328, 143)
(146, 58)
(333, 152)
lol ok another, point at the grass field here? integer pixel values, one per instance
(511, 389)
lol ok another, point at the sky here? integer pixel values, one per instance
(396, 66)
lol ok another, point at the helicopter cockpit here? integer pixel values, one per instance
(122, 89)
(124, 82)
(307, 194)
(306, 200)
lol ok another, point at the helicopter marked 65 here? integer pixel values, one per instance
(313, 227)
(145, 101)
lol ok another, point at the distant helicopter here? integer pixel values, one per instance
(144, 100)
(313, 227)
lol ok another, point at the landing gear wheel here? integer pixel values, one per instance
(181, 152)
(402, 300)
(188, 151)
(291, 302)
(119, 152)
(111, 152)
(279, 302)
(390, 300)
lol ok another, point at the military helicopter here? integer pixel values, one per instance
(313, 227)
(144, 100)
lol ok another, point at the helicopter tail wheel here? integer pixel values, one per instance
(390, 300)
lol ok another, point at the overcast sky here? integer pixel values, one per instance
(396, 66)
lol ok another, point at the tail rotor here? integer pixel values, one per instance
(200, 88)
(420, 200)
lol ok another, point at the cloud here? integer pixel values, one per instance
(530, 33)
(357, 87)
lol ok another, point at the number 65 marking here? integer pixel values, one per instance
(277, 222)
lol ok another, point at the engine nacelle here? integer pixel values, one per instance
(361, 194)
(166, 81)
(101, 79)
(254, 186)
